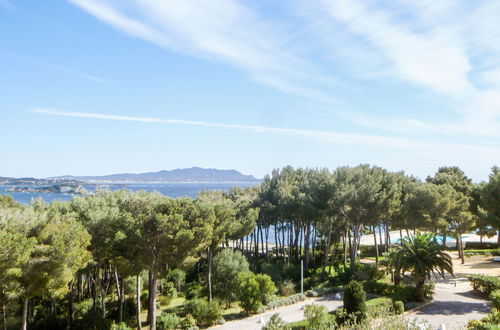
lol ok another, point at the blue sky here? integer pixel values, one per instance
(105, 86)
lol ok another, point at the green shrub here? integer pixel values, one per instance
(169, 290)
(317, 317)
(92, 320)
(404, 293)
(120, 326)
(287, 288)
(496, 252)
(490, 322)
(82, 308)
(379, 307)
(227, 264)
(354, 300)
(294, 298)
(481, 245)
(178, 277)
(194, 290)
(167, 321)
(495, 299)
(399, 307)
(484, 284)
(255, 291)
(369, 272)
(375, 287)
(204, 312)
(164, 300)
(275, 323)
(188, 322)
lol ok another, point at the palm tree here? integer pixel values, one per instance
(422, 256)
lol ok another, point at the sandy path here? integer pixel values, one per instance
(292, 313)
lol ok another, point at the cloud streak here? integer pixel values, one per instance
(55, 67)
(316, 135)
(219, 30)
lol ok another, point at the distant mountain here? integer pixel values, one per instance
(194, 174)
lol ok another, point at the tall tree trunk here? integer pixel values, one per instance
(209, 273)
(122, 298)
(314, 233)
(119, 294)
(327, 249)
(354, 245)
(70, 305)
(461, 249)
(307, 237)
(150, 281)
(376, 245)
(152, 301)
(380, 235)
(138, 300)
(344, 239)
(24, 324)
(4, 315)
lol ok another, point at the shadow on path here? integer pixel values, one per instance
(453, 307)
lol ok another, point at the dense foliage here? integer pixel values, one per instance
(103, 258)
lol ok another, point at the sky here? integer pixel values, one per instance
(93, 87)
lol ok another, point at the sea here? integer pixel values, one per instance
(173, 190)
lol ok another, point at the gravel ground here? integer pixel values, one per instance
(454, 305)
(291, 313)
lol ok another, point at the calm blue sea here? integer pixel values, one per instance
(168, 189)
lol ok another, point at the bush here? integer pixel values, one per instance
(167, 321)
(285, 301)
(481, 245)
(188, 322)
(194, 291)
(404, 293)
(375, 287)
(399, 307)
(178, 277)
(169, 290)
(204, 312)
(120, 326)
(354, 300)
(366, 272)
(317, 317)
(164, 300)
(129, 309)
(495, 299)
(496, 252)
(92, 320)
(227, 264)
(490, 322)
(379, 307)
(287, 288)
(255, 290)
(275, 323)
(484, 284)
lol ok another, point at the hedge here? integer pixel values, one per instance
(495, 299)
(294, 298)
(484, 284)
(481, 245)
(379, 307)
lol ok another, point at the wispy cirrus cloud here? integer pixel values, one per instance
(446, 50)
(324, 136)
(55, 67)
(219, 30)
